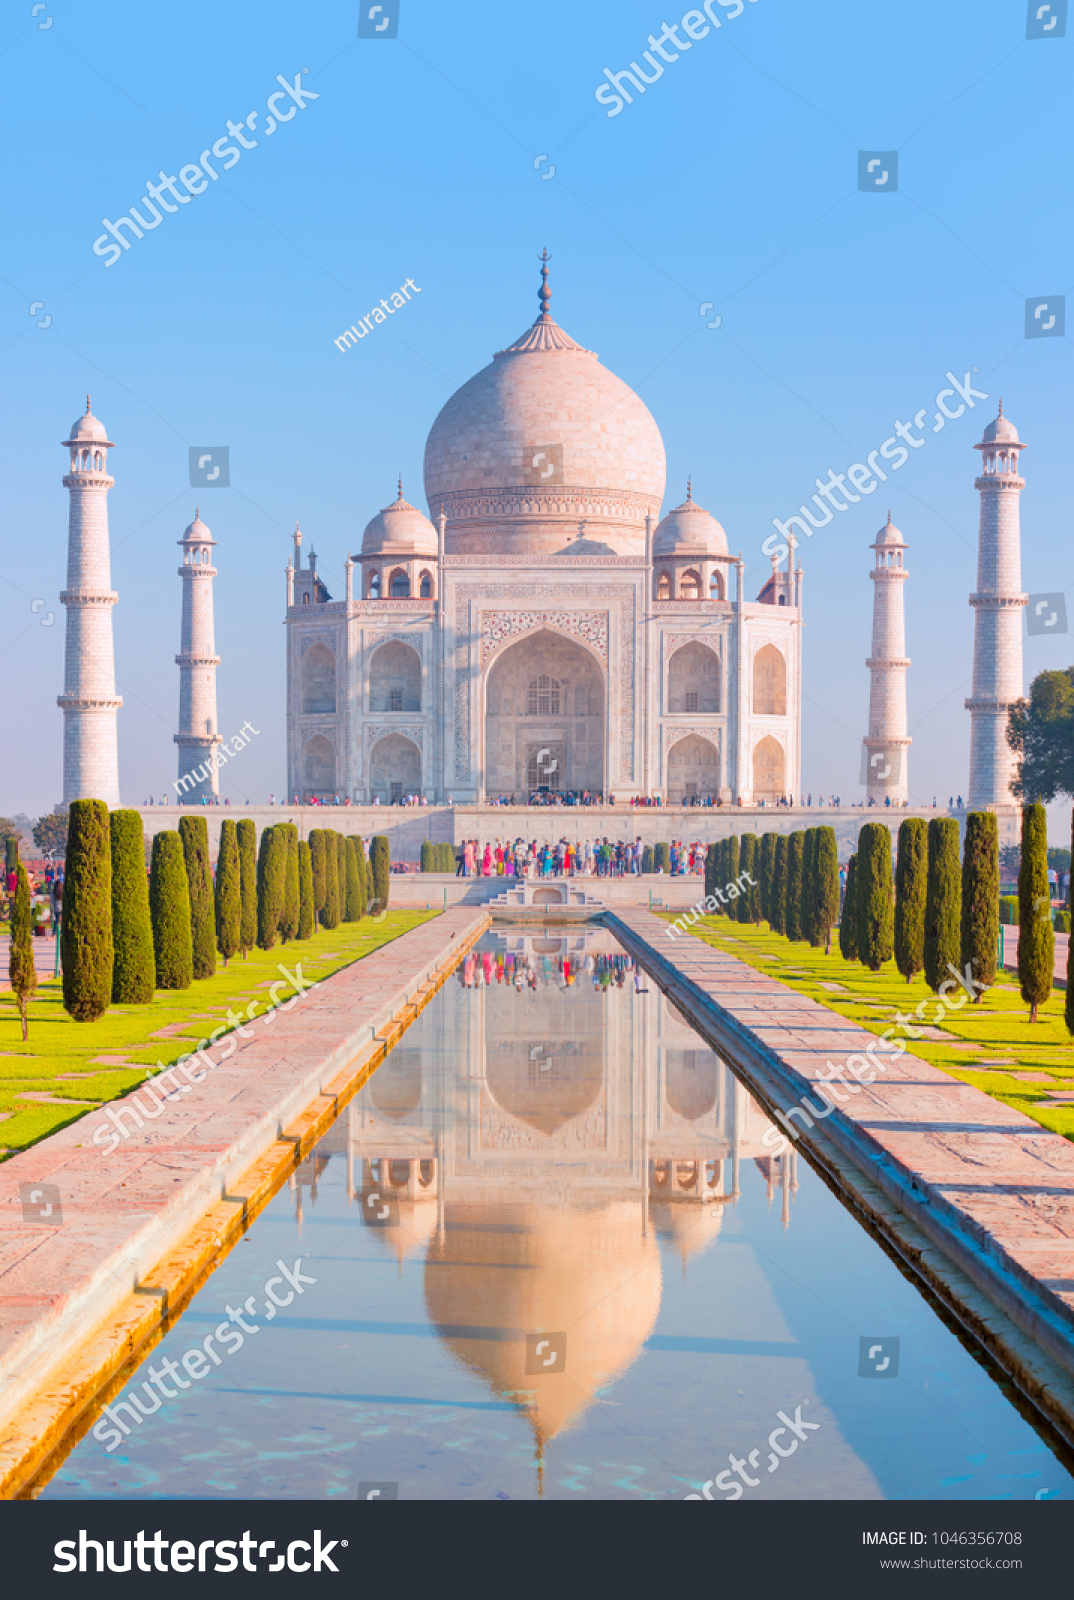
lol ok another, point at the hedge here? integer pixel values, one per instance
(307, 916)
(133, 967)
(194, 832)
(942, 902)
(228, 892)
(911, 888)
(876, 910)
(169, 909)
(86, 926)
(271, 885)
(380, 870)
(247, 837)
(980, 899)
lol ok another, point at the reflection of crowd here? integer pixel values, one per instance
(567, 858)
(482, 968)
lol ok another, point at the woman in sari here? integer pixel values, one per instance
(499, 859)
(486, 862)
(468, 859)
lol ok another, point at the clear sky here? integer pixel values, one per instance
(732, 180)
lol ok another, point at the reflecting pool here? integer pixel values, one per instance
(546, 1252)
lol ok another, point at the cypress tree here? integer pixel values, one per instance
(848, 921)
(341, 874)
(911, 889)
(647, 863)
(777, 895)
(21, 970)
(807, 916)
(86, 929)
(876, 913)
(317, 860)
(380, 863)
(363, 874)
(708, 870)
(980, 900)
(169, 909)
(355, 903)
(330, 909)
(228, 892)
(732, 854)
(1036, 936)
(1068, 1009)
(133, 967)
(942, 902)
(747, 863)
(768, 867)
(11, 854)
(289, 908)
(826, 879)
(426, 864)
(246, 833)
(194, 832)
(792, 916)
(306, 914)
(271, 883)
(661, 858)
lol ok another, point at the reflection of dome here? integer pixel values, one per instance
(396, 1086)
(400, 529)
(544, 1083)
(589, 1273)
(689, 530)
(415, 1228)
(686, 1229)
(690, 1082)
(541, 437)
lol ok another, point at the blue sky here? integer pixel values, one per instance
(732, 180)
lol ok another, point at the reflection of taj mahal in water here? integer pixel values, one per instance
(535, 1163)
(546, 627)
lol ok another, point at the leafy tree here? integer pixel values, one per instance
(86, 927)
(134, 965)
(793, 914)
(777, 898)
(307, 917)
(21, 971)
(980, 899)
(246, 833)
(848, 921)
(271, 884)
(1010, 859)
(876, 912)
(747, 863)
(1040, 731)
(318, 838)
(911, 888)
(380, 863)
(169, 909)
(1036, 937)
(942, 902)
(768, 866)
(228, 892)
(826, 886)
(355, 903)
(289, 908)
(194, 832)
(50, 833)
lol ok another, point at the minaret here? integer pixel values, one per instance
(997, 624)
(887, 740)
(89, 702)
(197, 659)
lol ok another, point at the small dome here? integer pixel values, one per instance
(400, 529)
(88, 428)
(889, 534)
(1002, 431)
(197, 531)
(689, 530)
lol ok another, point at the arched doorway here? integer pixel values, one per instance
(769, 683)
(693, 770)
(544, 718)
(319, 767)
(394, 769)
(318, 679)
(395, 678)
(694, 680)
(769, 770)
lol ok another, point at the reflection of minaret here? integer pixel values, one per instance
(887, 741)
(89, 702)
(197, 737)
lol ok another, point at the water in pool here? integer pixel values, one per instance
(545, 1252)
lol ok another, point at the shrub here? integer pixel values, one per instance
(21, 969)
(271, 884)
(50, 832)
(777, 895)
(647, 860)
(1036, 937)
(662, 857)
(133, 966)
(228, 892)
(848, 921)
(942, 902)
(380, 865)
(289, 907)
(194, 832)
(169, 910)
(247, 837)
(86, 927)
(306, 914)
(980, 899)
(330, 909)
(911, 888)
(1008, 910)
(1061, 922)
(428, 856)
(876, 912)
(826, 886)
(792, 915)
(355, 906)
(317, 859)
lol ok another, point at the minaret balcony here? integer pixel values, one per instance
(94, 597)
(999, 602)
(888, 661)
(994, 481)
(87, 480)
(197, 661)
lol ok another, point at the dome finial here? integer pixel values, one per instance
(1001, 405)
(689, 490)
(544, 295)
(400, 486)
(87, 406)
(197, 513)
(889, 519)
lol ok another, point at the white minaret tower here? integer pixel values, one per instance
(89, 702)
(197, 660)
(997, 625)
(887, 739)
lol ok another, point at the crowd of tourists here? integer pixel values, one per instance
(46, 896)
(567, 858)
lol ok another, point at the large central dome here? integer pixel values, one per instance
(537, 442)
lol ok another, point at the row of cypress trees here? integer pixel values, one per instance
(437, 857)
(791, 881)
(122, 937)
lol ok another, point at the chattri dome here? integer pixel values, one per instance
(400, 529)
(88, 429)
(541, 438)
(888, 535)
(689, 530)
(1002, 431)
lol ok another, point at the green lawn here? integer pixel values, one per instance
(58, 1061)
(1033, 1062)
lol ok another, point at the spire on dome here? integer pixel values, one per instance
(88, 405)
(689, 491)
(544, 296)
(400, 486)
(1001, 405)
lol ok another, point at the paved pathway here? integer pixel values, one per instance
(44, 958)
(1010, 955)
